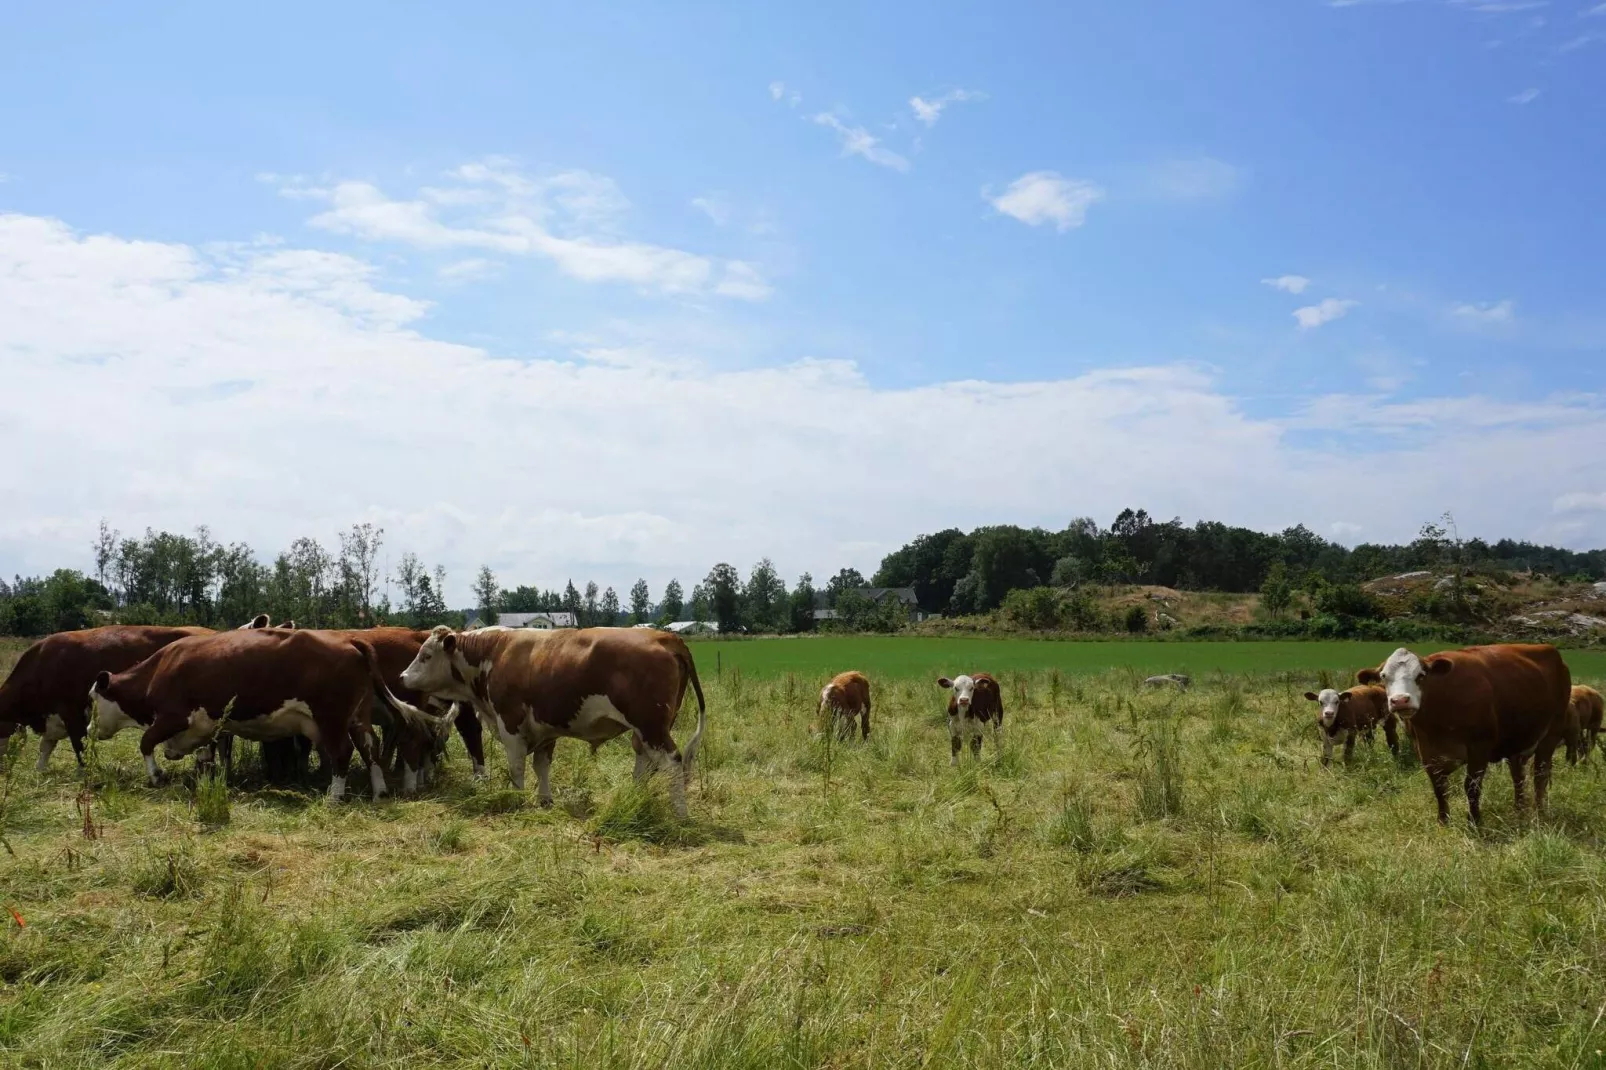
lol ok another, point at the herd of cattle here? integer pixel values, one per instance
(192, 690)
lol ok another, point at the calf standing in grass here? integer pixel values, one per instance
(975, 702)
(846, 698)
(1346, 713)
(1583, 722)
(1479, 705)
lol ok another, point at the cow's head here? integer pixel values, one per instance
(1402, 675)
(107, 716)
(964, 689)
(201, 729)
(440, 668)
(1328, 702)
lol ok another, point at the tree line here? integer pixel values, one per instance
(168, 578)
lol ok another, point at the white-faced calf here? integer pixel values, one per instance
(1357, 711)
(975, 701)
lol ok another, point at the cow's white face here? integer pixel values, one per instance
(202, 729)
(106, 717)
(964, 689)
(431, 670)
(1327, 706)
(1402, 675)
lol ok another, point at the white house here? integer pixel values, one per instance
(529, 620)
(693, 627)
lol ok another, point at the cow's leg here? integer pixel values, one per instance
(366, 744)
(661, 753)
(1476, 768)
(1391, 733)
(161, 730)
(998, 733)
(541, 759)
(1327, 749)
(1542, 767)
(1439, 776)
(973, 729)
(954, 738)
(1349, 746)
(864, 721)
(516, 751)
(468, 726)
(1518, 765)
(47, 743)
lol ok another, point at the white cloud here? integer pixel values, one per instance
(1293, 284)
(178, 361)
(1581, 502)
(1598, 9)
(470, 270)
(715, 207)
(1343, 530)
(1581, 41)
(1496, 314)
(1041, 197)
(779, 91)
(1527, 96)
(929, 111)
(570, 219)
(1325, 311)
(857, 141)
(1194, 178)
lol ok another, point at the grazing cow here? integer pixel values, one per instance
(48, 691)
(534, 687)
(1346, 713)
(976, 701)
(847, 697)
(1480, 705)
(264, 684)
(1584, 710)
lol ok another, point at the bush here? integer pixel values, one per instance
(1137, 620)
(1347, 600)
(1037, 609)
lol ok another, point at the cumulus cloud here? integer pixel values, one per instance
(179, 363)
(857, 141)
(929, 111)
(1041, 198)
(1494, 314)
(571, 219)
(1292, 284)
(1325, 311)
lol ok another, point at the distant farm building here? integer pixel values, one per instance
(528, 620)
(878, 595)
(692, 627)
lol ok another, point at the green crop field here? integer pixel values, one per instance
(1137, 878)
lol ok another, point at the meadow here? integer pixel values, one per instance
(1138, 878)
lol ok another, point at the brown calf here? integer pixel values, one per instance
(270, 683)
(1584, 710)
(977, 701)
(847, 697)
(1356, 711)
(48, 691)
(1480, 705)
(535, 687)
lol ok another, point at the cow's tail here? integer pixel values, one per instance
(689, 755)
(404, 712)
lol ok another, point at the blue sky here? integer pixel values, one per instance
(801, 283)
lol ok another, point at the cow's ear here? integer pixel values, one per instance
(102, 680)
(288, 625)
(1437, 665)
(1343, 696)
(943, 681)
(1312, 696)
(259, 621)
(1368, 676)
(449, 642)
(440, 629)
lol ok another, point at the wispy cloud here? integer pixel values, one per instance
(1527, 96)
(857, 141)
(929, 111)
(1500, 7)
(1581, 41)
(1324, 311)
(1193, 178)
(470, 270)
(1293, 284)
(1492, 314)
(1040, 198)
(714, 206)
(570, 219)
(1581, 501)
(1598, 9)
(779, 91)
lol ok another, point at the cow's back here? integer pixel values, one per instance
(59, 668)
(1531, 687)
(1372, 704)
(258, 671)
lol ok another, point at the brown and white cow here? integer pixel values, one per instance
(534, 687)
(1584, 711)
(1358, 710)
(1479, 705)
(48, 691)
(264, 684)
(847, 699)
(976, 701)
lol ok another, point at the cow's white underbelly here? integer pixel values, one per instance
(597, 721)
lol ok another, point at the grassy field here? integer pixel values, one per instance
(1137, 879)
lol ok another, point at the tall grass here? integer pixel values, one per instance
(1139, 879)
